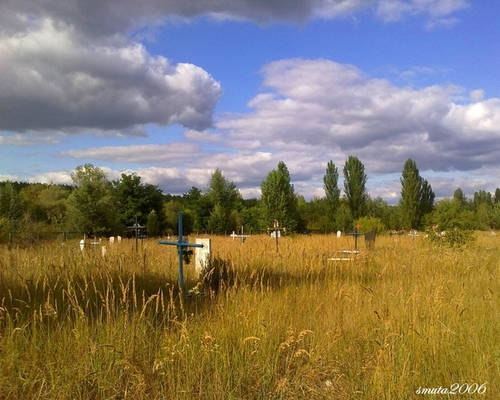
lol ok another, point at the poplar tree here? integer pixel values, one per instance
(355, 186)
(330, 184)
(278, 198)
(224, 196)
(417, 197)
(458, 196)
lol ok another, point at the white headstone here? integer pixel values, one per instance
(82, 244)
(339, 234)
(103, 251)
(119, 238)
(111, 239)
(202, 255)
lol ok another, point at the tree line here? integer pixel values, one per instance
(97, 206)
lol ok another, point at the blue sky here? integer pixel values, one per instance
(172, 90)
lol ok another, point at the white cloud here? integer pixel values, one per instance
(105, 18)
(54, 80)
(56, 177)
(331, 110)
(27, 139)
(436, 10)
(202, 136)
(164, 153)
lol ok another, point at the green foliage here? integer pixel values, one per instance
(355, 186)
(171, 211)
(482, 197)
(343, 217)
(330, 182)
(6, 226)
(368, 224)
(417, 197)
(449, 214)
(11, 203)
(316, 214)
(278, 199)
(153, 224)
(454, 238)
(92, 204)
(136, 199)
(459, 197)
(225, 198)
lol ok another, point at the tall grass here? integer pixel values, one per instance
(291, 325)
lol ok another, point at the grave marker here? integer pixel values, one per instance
(182, 245)
(339, 234)
(202, 255)
(111, 239)
(138, 232)
(241, 236)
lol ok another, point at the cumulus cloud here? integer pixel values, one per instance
(52, 80)
(328, 108)
(108, 17)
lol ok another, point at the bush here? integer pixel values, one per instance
(452, 238)
(368, 224)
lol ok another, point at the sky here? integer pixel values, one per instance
(173, 89)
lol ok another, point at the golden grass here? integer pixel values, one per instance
(289, 326)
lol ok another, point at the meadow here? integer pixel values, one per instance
(406, 315)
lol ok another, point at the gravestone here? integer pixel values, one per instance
(119, 238)
(103, 251)
(202, 255)
(370, 239)
(339, 234)
(82, 244)
(111, 239)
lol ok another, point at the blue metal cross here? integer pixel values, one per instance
(181, 244)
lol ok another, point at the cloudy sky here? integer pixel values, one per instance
(172, 89)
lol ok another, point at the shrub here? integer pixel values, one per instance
(368, 224)
(452, 238)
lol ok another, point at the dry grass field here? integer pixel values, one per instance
(290, 326)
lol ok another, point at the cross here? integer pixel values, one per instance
(181, 245)
(276, 229)
(137, 228)
(242, 236)
(356, 233)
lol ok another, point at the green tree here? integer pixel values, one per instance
(330, 184)
(482, 197)
(278, 198)
(355, 186)
(135, 198)
(91, 203)
(458, 196)
(417, 197)
(11, 203)
(153, 224)
(497, 195)
(411, 190)
(225, 198)
(426, 198)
